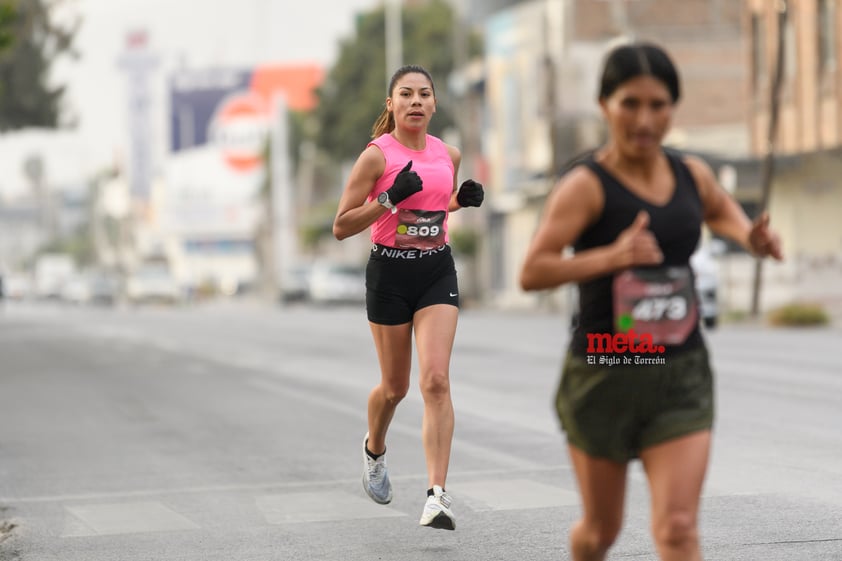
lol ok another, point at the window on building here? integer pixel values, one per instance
(826, 26)
(758, 50)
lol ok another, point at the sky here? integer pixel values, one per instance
(191, 33)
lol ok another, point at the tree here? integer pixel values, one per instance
(7, 13)
(33, 42)
(354, 92)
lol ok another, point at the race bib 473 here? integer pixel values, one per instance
(660, 302)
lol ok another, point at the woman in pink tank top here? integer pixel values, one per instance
(402, 187)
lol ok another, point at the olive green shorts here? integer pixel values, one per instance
(616, 411)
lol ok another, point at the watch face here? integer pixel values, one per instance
(382, 198)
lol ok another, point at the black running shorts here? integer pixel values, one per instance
(399, 282)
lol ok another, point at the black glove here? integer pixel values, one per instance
(470, 193)
(406, 183)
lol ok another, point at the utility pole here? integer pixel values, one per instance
(769, 160)
(281, 221)
(33, 169)
(554, 40)
(394, 37)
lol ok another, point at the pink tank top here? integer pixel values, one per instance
(421, 219)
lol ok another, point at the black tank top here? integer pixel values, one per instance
(676, 225)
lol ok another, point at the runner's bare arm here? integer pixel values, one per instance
(575, 203)
(725, 217)
(722, 213)
(355, 214)
(456, 157)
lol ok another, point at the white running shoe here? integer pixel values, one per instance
(437, 513)
(375, 477)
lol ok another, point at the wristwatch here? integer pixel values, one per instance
(383, 199)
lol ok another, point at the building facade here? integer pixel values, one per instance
(810, 118)
(542, 66)
(805, 195)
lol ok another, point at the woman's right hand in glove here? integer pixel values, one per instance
(406, 183)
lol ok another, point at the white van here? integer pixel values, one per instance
(52, 271)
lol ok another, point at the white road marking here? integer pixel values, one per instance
(320, 507)
(123, 518)
(513, 494)
(245, 487)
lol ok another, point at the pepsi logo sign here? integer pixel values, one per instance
(239, 128)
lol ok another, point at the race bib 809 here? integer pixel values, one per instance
(420, 229)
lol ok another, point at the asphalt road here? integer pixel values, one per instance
(233, 433)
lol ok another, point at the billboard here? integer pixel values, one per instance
(231, 108)
(220, 121)
(194, 98)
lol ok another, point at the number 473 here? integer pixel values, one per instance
(656, 309)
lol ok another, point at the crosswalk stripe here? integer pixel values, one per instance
(123, 518)
(320, 507)
(513, 494)
(293, 506)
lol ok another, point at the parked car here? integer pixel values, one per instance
(153, 283)
(95, 287)
(104, 288)
(17, 286)
(52, 270)
(337, 283)
(295, 283)
(706, 270)
(76, 289)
